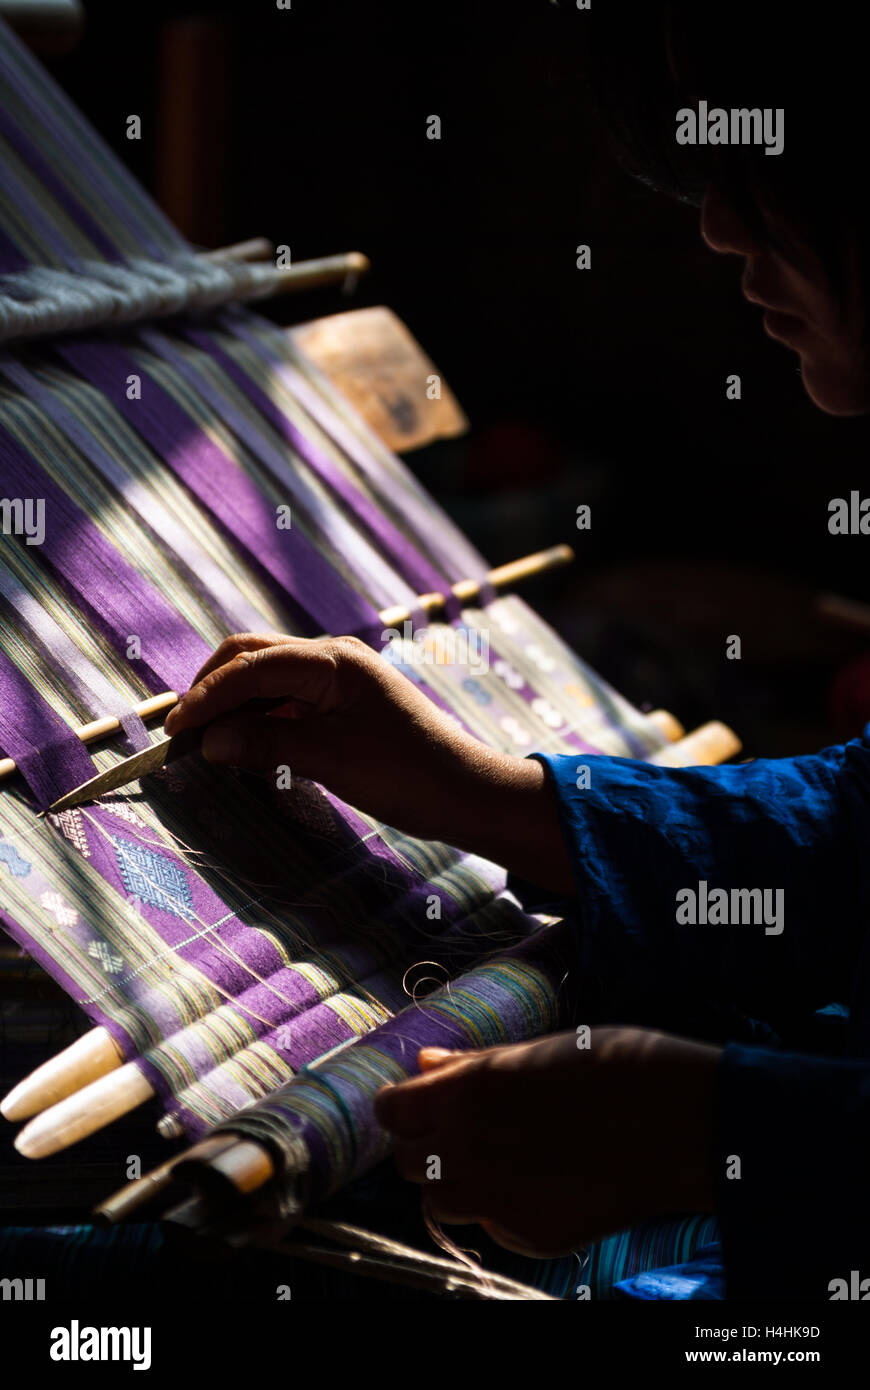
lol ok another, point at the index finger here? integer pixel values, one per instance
(233, 645)
(300, 669)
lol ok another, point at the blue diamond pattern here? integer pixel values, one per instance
(153, 878)
(12, 859)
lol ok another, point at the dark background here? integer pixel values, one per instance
(604, 386)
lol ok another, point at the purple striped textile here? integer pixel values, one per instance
(117, 600)
(418, 572)
(286, 558)
(40, 169)
(49, 756)
(451, 551)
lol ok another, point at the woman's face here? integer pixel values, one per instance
(800, 310)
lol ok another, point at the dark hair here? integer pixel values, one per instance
(646, 59)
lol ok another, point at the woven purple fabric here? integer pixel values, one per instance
(117, 600)
(286, 558)
(48, 754)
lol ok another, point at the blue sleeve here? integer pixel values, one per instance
(638, 835)
(791, 1140)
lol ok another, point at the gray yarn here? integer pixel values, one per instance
(40, 301)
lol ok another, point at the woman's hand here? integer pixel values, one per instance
(356, 724)
(549, 1145)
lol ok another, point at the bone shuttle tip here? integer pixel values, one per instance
(710, 743)
(247, 1165)
(669, 725)
(88, 1058)
(85, 1112)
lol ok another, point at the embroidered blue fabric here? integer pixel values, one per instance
(788, 994)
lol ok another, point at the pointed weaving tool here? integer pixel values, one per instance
(166, 750)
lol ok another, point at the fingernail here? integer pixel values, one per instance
(174, 714)
(431, 1058)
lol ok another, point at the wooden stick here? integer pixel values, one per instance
(256, 249)
(123, 1203)
(500, 578)
(325, 270)
(101, 728)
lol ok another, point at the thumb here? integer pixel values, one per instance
(261, 743)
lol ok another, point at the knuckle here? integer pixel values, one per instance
(351, 646)
(352, 655)
(211, 681)
(236, 642)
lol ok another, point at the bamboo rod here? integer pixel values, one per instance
(326, 270)
(101, 728)
(305, 275)
(220, 1163)
(244, 1164)
(500, 578)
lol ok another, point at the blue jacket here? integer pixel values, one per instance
(780, 975)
